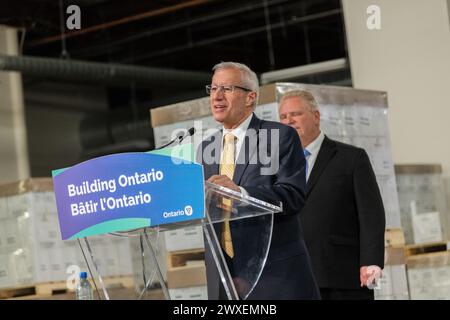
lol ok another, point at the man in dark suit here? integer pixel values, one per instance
(343, 217)
(287, 273)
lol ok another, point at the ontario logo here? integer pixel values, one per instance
(188, 211)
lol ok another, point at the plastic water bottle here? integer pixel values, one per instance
(84, 290)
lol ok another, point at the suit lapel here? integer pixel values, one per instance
(248, 149)
(326, 152)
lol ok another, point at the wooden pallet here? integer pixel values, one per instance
(179, 258)
(41, 289)
(417, 249)
(394, 238)
(56, 288)
(118, 282)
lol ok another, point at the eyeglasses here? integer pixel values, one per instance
(211, 89)
(290, 114)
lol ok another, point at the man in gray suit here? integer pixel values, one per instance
(287, 273)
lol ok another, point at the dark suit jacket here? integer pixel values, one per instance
(288, 272)
(343, 218)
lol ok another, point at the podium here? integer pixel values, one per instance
(251, 222)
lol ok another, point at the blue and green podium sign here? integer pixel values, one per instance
(126, 191)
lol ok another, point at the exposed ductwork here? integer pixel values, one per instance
(101, 72)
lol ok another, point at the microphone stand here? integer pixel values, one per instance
(180, 138)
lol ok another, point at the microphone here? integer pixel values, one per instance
(180, 138)
(189, 133)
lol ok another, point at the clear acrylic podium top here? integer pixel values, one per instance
(251, 222)
(243, 207)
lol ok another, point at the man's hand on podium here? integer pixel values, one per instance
(224, 181)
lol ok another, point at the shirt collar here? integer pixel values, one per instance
(314, 146)
(239, 132)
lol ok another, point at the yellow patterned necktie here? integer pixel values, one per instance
(227, 168)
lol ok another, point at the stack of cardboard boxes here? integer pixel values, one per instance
(424, 213)
(31, 249)
(186, 271)
(425, 220)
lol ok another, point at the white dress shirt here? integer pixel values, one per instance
(313, 148)
(239, 132)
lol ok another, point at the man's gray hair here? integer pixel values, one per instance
(249, 78)
(304, 94)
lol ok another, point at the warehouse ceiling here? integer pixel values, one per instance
(189, 35)
(192, 34)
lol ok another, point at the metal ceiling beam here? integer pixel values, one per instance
(107, 25)
(102, 48)
(234, 35)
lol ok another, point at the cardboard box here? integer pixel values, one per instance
(184, 239)
(23, 272)
(11, 236)
(2, 235)
(122, 247)
(182, 258)
(191, 293)
(6, 278)
(186, 269)
(182, 111)
(427, 227)
(186, 276)
(71, 252)
(424, 212)
(429, 276)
